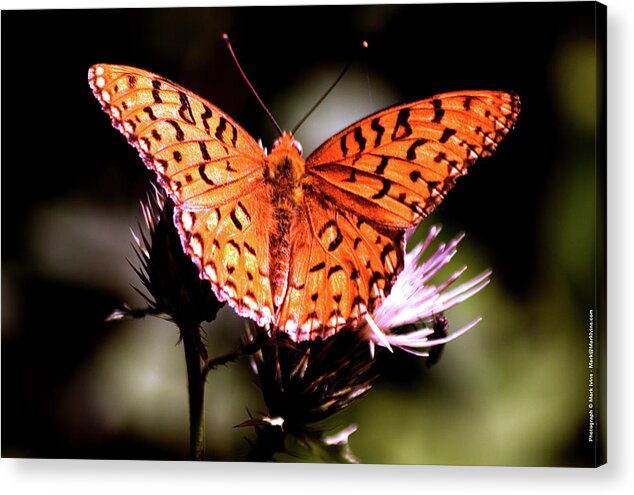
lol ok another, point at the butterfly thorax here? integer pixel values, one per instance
(284, 172)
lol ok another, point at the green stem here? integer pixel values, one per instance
(196, 389)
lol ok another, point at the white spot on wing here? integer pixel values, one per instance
(187, 220)
(336, 321)
(229, 292)
(160, 166)
(196, 246)
(250, 303)
(266, 313)
(211, 273)
(291, 328)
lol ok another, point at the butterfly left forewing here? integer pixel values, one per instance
(395, 166)
(201, 155)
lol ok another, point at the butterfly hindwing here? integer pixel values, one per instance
(340, 268)
(229, 244)
(395, 166)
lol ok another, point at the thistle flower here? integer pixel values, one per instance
(167, 272)
(171, 278)
(414, 303)
(178, 292)
(303, 384)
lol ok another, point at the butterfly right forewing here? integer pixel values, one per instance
(395, 166)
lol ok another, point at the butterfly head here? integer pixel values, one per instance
(288, 143)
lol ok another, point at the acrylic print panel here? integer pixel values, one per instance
(273, 289)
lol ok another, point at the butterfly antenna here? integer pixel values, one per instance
(367, 73)
(246, 79)
(323, 97)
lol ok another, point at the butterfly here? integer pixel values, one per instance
(306, 246)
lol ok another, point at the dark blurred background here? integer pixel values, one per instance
(510, 392)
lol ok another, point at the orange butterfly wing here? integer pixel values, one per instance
(365, 186)
(395, 166)
(340, 266)
(212, 170)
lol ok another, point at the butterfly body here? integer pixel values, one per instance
(308, 246)
(284, 175)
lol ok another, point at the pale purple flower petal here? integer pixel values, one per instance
(413, 300)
